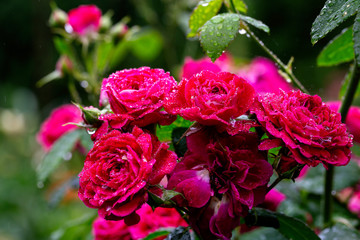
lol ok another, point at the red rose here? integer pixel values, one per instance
(311, 131)
(117, 170)
(83, 20)
(211, 98)
(54, 126)
(136, 97)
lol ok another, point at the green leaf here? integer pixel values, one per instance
(291, 228)
(85, 140)
(356, 38)
(254, 22)
(337, 51)
(202, 13)
(240, 6)
(164, 132)
(260, 234)
(178, 141)
(56, 155)
(331, 15)
(218, 32)
(157, 234)
(340, 231)
(146, 44)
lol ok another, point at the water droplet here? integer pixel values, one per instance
(218, 34)
(248, 35)
(211, 33)
(231, 36)
(229, 28)
(215, 44)
(217, 20)
(91, 131)
(205, 4)
(84, 84)
(40, 184)
(220, 26)
(242, 31)
(67, 156)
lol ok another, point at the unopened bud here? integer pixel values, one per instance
(64, 65)
(58, 18)
(119, 30)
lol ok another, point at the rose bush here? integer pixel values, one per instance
(118, 169)
(211, 98)
(136, 97)
(310, 130)
(83, 20)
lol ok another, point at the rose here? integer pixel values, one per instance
(211, 98)
(223, 63)
(54, 126)
(215, 220)
(152, 220)
(310, 130)
(110, 230)
(83, 20)
(354, 203)
(118, 170)
(136, 97)
(220, 170)
(352, 119)
(264, 76)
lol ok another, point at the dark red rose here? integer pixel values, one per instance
(118, 169)
(225, 168)
(136, 97)
(211, 98)
(311, 131)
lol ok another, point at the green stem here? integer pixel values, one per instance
(285, 68)
(329, 175)
(276, 182)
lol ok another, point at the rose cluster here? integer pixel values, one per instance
(225, 171)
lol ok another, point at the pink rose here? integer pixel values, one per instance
(118, 169)
(310, 130)
(83, 20)
(273, 199)
(352, 119)
(110, 230)
(222, 64)
(211, 98)
(136, 97)
(54, 126)
(264, 76)
(354, 203)
(151, 221)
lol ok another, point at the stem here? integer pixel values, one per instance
(276, 182)
(329, 175)
(285, 68)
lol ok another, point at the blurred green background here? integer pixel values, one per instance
(27, 54)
